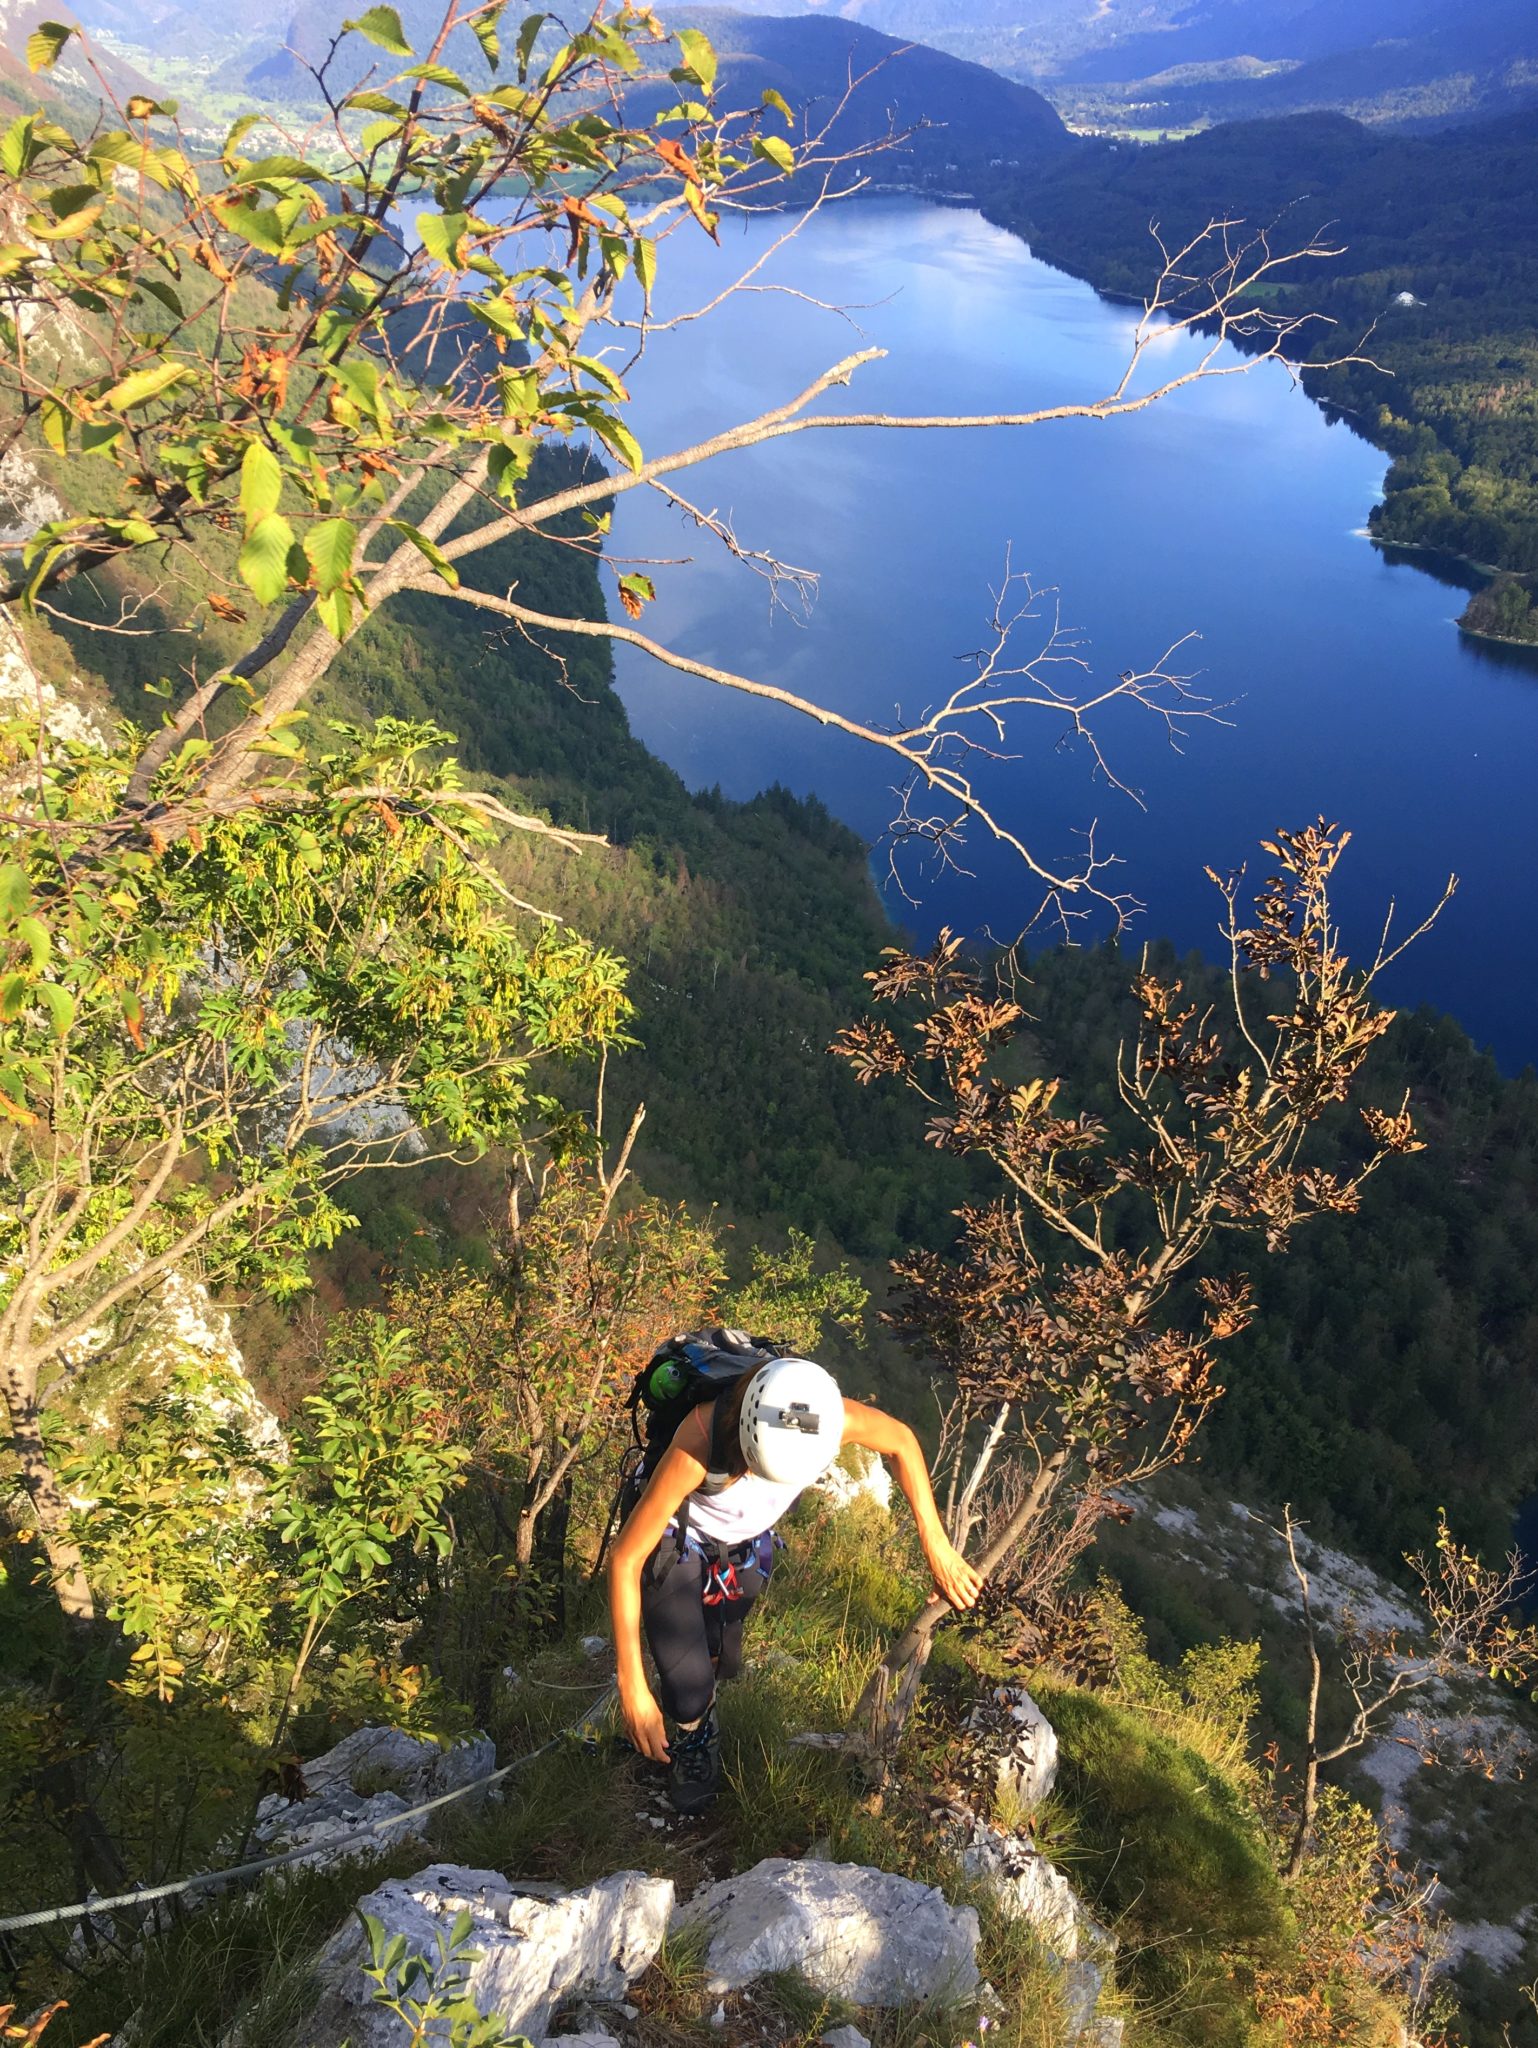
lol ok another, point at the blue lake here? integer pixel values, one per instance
(1233, 510)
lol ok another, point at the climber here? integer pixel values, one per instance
(694, 1551)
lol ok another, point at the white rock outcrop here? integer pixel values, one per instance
(370, 1776)
(535, 1946)
(23, 693)
(1028, 1887)
(1013, 1753)
(858, 1474)
(872, 1937)
(843, 2037)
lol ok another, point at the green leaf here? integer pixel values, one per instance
(18, 145)
(328, 548)
(602, 374)
(375, 103)
(70, 228)
(143, 385)
(382, 25)
(485, 26)
(15, 890)
(260, 226)
(360, 378)
(438, 74)
(264, 558)
(100, 437)
(771, 98)
(646, 264)
(159, 289)
(240, 131)
(33, 934)
(334, 611)
(46, 44)
(430, 549)
(15, 994)
(698, 55)
(119, 147)
(59, 1004)
(498, 314)
(268, 170)
(441, 235)
(776, 150)
(55, 420)
(261, 483)
(617, 437)
(528, 36)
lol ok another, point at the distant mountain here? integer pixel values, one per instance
(962, 117)
(1174, 62)
(69, 83)
(1459, 66)
(1406, 60)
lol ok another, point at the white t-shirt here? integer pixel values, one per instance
(742, 1510)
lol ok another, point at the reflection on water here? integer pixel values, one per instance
(1233, 510)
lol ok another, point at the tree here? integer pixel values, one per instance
(199, 1046)
(343, 356)
(245, 956)
(1469, 1609)
(1081, 1315)
(528, 1359)
(531, 1360)
(1503, 609)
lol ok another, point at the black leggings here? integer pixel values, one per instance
(693, 1645)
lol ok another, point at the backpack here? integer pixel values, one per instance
(695, 1366)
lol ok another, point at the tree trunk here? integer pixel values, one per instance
(887, 1701)
(963, 1516)
(67, 1572)
(550, 1550)
(1309, 1809)
(1310, 1805)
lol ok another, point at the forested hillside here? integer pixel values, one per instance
(1437, 285)
(344, 926)
(1394, 1362)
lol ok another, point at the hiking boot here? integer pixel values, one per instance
(695, 1776)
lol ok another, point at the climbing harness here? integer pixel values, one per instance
(722, 1583)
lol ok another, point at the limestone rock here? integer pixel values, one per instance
(1027, 1886)
(532, 1950)
(390, 1759)
(844, 2037)
(858, 1474)
(594, 2038)
(1104, 2032)
(872, 1937)
(1080, 1987)
(369, 1776)
(1012, 1747)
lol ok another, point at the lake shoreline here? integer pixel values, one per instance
(1230, 508)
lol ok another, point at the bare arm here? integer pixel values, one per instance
(955, 1580)
(682, 1470)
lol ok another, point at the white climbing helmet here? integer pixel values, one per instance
(792, 1421)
